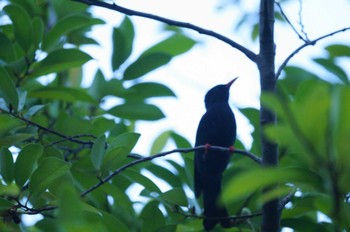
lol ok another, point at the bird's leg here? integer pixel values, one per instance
(231, 149)
(206, 148)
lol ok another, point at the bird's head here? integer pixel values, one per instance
(218, 94)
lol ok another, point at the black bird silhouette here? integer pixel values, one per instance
(217, 127)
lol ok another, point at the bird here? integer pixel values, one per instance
(217, 127)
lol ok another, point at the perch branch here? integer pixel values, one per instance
(312, 42)
(251, 55)
(179, 150)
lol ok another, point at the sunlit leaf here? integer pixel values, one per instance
(137, 111)
(173, 45)
(123, 38)
(60, 60)
(146, 64)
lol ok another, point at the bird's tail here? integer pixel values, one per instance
(214, 212)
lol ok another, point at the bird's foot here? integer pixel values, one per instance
(206, 148)
(231, 149)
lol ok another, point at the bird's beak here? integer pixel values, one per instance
(231, 82)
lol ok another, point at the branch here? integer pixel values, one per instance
(179, 150)
(290, 24)
(251, 55)
(312, 42)
(63, 136)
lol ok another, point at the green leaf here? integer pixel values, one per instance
(338, 50)
(33, 110)
(137, 111)
(11, 140)
(294, 76)
(98, 152)
(247, 182)
(175, 196)
(123, 38)
(21, 25)
(25, 162)
(70, 208)
(118, 150)
(7, 52)
(7, 89)
(165, 174)
(63, 27)
(60, 60)
(6, 165)
(145, 64)
(62, 93)
(174, 45)
(101, 88)
(152, 217)
(160, 142)
(330, 66)
(5, 204)
(38, 31)
(142, 91)
(49, 169)
(137, 177)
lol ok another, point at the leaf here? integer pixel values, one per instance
(49, 169)
(330, 66)
(21, 24)
(33, 110)
(7, 89)
(118, 150)
(175, 196)
(152, 217)
(5, 204)
(137, 177)
(25, 162)
(62, 93)
(63, 27)
(7, 52)
(123, 38)
(11, 140)
(6, 165)
(38, 31)
(145, 64)
(137, 111)
(338, 50)
(142, 91)
(165, 174)
(174, 45)
(160, 142)
(294, 76)
(60, 60)
(98, 152)
(247, 182)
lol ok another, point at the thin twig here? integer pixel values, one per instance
(312, 42)
(65, 137)
(290, 23)
(179, 150)
(301, 24)
(251, 55)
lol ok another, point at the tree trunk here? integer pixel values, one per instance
(266, 65)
